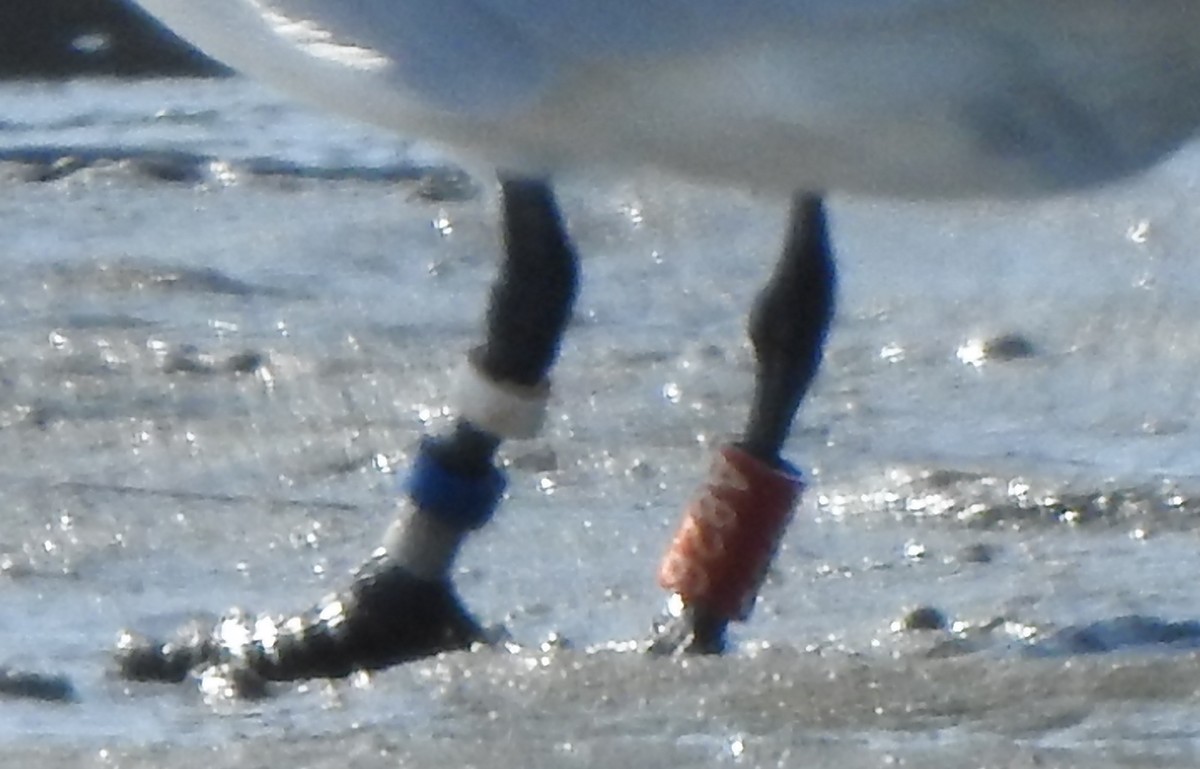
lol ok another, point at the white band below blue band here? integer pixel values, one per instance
(505, 410)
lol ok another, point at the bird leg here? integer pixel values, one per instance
(401, 604)
(731, 529)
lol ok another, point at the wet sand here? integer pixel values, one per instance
(209, 379)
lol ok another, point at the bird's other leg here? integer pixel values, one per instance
(401, 604)
(503, 389)
(730, 531)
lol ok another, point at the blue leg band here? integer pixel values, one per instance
(462, 502)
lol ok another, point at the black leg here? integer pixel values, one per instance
(788, 326)
(401, 605)
(528, 312)
(533, 298)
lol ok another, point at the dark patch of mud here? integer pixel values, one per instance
(43, 164)
(928, 633)
(43, 687)
(189, 360)
(986, 500)
(127, 275)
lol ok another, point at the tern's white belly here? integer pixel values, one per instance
(917, 98)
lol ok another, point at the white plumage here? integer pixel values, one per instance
(915, 98)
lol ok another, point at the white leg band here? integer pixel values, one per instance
(503, 409)
(421, 544)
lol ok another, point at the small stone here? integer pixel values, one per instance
(142, 659)
(36, 686)
(230, 681)
(185, 361)
(999, 348)
(245, 362)
(923, 618)
(1010, 346)
(979, 552)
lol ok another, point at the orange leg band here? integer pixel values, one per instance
(730, 532)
